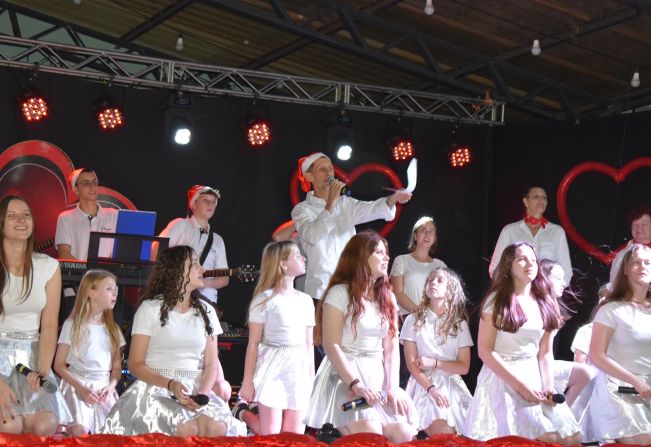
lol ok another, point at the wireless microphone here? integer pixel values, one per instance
(626, 390)
(200, 399)
(344, 191)
(557, 398)
(359, 402)
(45, 384)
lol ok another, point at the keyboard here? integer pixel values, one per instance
(127, 274)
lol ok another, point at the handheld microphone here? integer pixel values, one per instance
(557, 398)
(359, 402)
(45, 384)
(200, 399)
(345, 191)
(626, 390)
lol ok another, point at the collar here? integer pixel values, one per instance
(195, 224)
(313, 200)
(83, 213)
(533, 221)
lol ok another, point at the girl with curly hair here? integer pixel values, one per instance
(174, 357)
(518, 317)
(357, 325)
(437, 342)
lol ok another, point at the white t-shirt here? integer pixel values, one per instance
(74, 227)
(582, 339)
(24, 315)
(370, 329)
(431, 345)
(94, 353)
(181, 342)
(285, 317)
(630, 344)
(187, 231)
(414, 275)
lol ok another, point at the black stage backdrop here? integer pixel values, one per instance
(470, 205)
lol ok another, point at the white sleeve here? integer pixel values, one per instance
(145, 318)
(213, 320)
(220, 249)
(398, 267)
(464, 339)
(173, 231)
(607, 315)
(564, 255)
(502, 242)
(311, 230)
(309, 310)
(258, 313)
(66, 332)
(337, 297)
(582, 338)
(63, 233)
(367, 211)
(407, 333)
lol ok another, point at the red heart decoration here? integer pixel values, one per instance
(618, 175)
(38, 171)
(349, 179)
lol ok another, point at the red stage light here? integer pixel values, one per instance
(258, 133)
(110, 118)
(460, 156)
(402, 149)
(34, 108)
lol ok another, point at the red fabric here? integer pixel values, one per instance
(533, 221)
(305, 185)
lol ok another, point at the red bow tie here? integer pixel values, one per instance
(534, 221)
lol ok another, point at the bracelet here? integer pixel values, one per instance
(169, 384)
(436, 365)
(430, 387)
(352, 384)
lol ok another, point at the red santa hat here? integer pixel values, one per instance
(304, 164)
(196, 190)
(74, 175)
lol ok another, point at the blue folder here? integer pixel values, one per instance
(141, 223)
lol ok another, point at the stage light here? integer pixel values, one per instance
(402, 149)
(33, 107)
(258, 133)
(181, 129)
(460, 156)
(429, 8)
(535, 48)
(344, 152)
(179, 43)
(109, 114)
(635, 80)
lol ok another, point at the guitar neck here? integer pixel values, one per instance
(216, 273)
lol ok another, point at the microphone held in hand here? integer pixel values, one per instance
(626, 390)
(345, 191)
(46, 384)
(557, 398)
(360, 402)
(200, 399)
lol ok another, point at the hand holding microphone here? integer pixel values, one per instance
(361, 402)
(556, 398)
(44, 383)
(199, 399)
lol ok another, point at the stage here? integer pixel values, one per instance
(281, 440)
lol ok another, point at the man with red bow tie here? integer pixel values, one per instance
(548, 239)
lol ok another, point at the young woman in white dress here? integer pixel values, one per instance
(279, 362)
(518, 317)
(437, 345)
(88, 356)
(620, 348)
(357, 324)
(29, 312)
(174, 357)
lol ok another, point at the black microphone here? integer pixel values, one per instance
(45, 384)
(359, 402)
(345, 191)
(200, 399)
(626, 390)
(557, 398)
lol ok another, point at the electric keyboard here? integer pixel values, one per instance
(127, 274)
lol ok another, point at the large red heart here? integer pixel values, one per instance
(349, 179)
(618, 175)
(38, 171)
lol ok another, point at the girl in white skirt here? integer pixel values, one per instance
(357, 324)
(279, 362)
(621, 349)
(88, 354)
(174, 357)
(518, 317)
(437, 345)
(29, 311)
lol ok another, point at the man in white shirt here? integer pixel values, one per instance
(194, 231)
(640, 220)
(548, 239)
(326, 220)
(74, 226)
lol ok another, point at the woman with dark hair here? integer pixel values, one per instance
(29, 310)
(621, 348)
(174, 357)
(357, 325)
(518, 317)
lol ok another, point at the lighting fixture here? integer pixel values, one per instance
(635, 80)
(429, 8)
(258, 132)
(179, 43)
(33, 107)
(535, 48)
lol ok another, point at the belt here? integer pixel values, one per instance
(178, 373)
(20, 335)
(90, 375)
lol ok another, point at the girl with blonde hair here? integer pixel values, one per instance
(88, 355)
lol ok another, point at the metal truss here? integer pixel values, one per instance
(149, 72)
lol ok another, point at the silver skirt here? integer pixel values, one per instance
(451, 386)
(282, 379)
(498, 410)
(25, 350)
(145, 408)
(616, 415)
(330, 392)
(91, 416)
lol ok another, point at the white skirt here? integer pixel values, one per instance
(498, 410)
(562, 372)
(451, 386)
(330, 392)
(145, 408)
(91, 416)
(282, 379)
(616, 415)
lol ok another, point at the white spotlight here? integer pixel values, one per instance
(535, 48)
(179, 43)
(635, 80)
(344, 152)
(429, 8)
